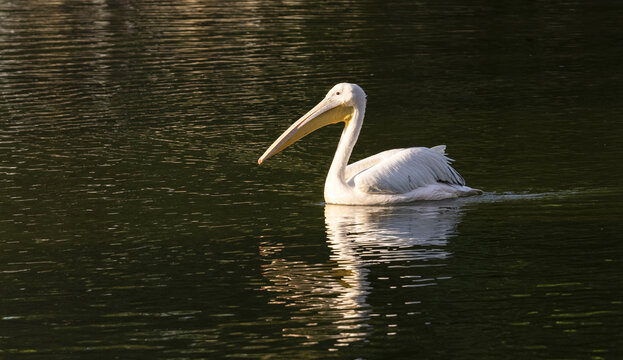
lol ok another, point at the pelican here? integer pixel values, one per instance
(390, 177)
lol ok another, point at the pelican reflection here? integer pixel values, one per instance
(329, 299)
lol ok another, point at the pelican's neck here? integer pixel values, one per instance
(337, 171)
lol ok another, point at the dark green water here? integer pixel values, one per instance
(135, 222)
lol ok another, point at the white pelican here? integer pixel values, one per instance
(392, 176)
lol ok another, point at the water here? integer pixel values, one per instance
(135, 223)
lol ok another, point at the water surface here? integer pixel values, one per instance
(135, 222)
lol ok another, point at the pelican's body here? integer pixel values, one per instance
(392, 176)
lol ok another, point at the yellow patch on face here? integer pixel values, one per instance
(335, 115)
(340, 113)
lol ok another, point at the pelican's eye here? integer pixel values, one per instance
(338, 93)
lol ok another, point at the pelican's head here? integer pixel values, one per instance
(348, 94)
(337, 106)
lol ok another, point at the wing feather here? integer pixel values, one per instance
(364, 164)
(404, 170)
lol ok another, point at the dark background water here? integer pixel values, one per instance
(135, 223)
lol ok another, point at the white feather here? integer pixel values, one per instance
(364, 164)
(405, 170)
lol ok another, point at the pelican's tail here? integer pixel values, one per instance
(440, 149)
(467, 191)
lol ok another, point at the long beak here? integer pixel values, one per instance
(327, 112)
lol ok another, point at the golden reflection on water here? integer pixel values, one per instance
(329, 300)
